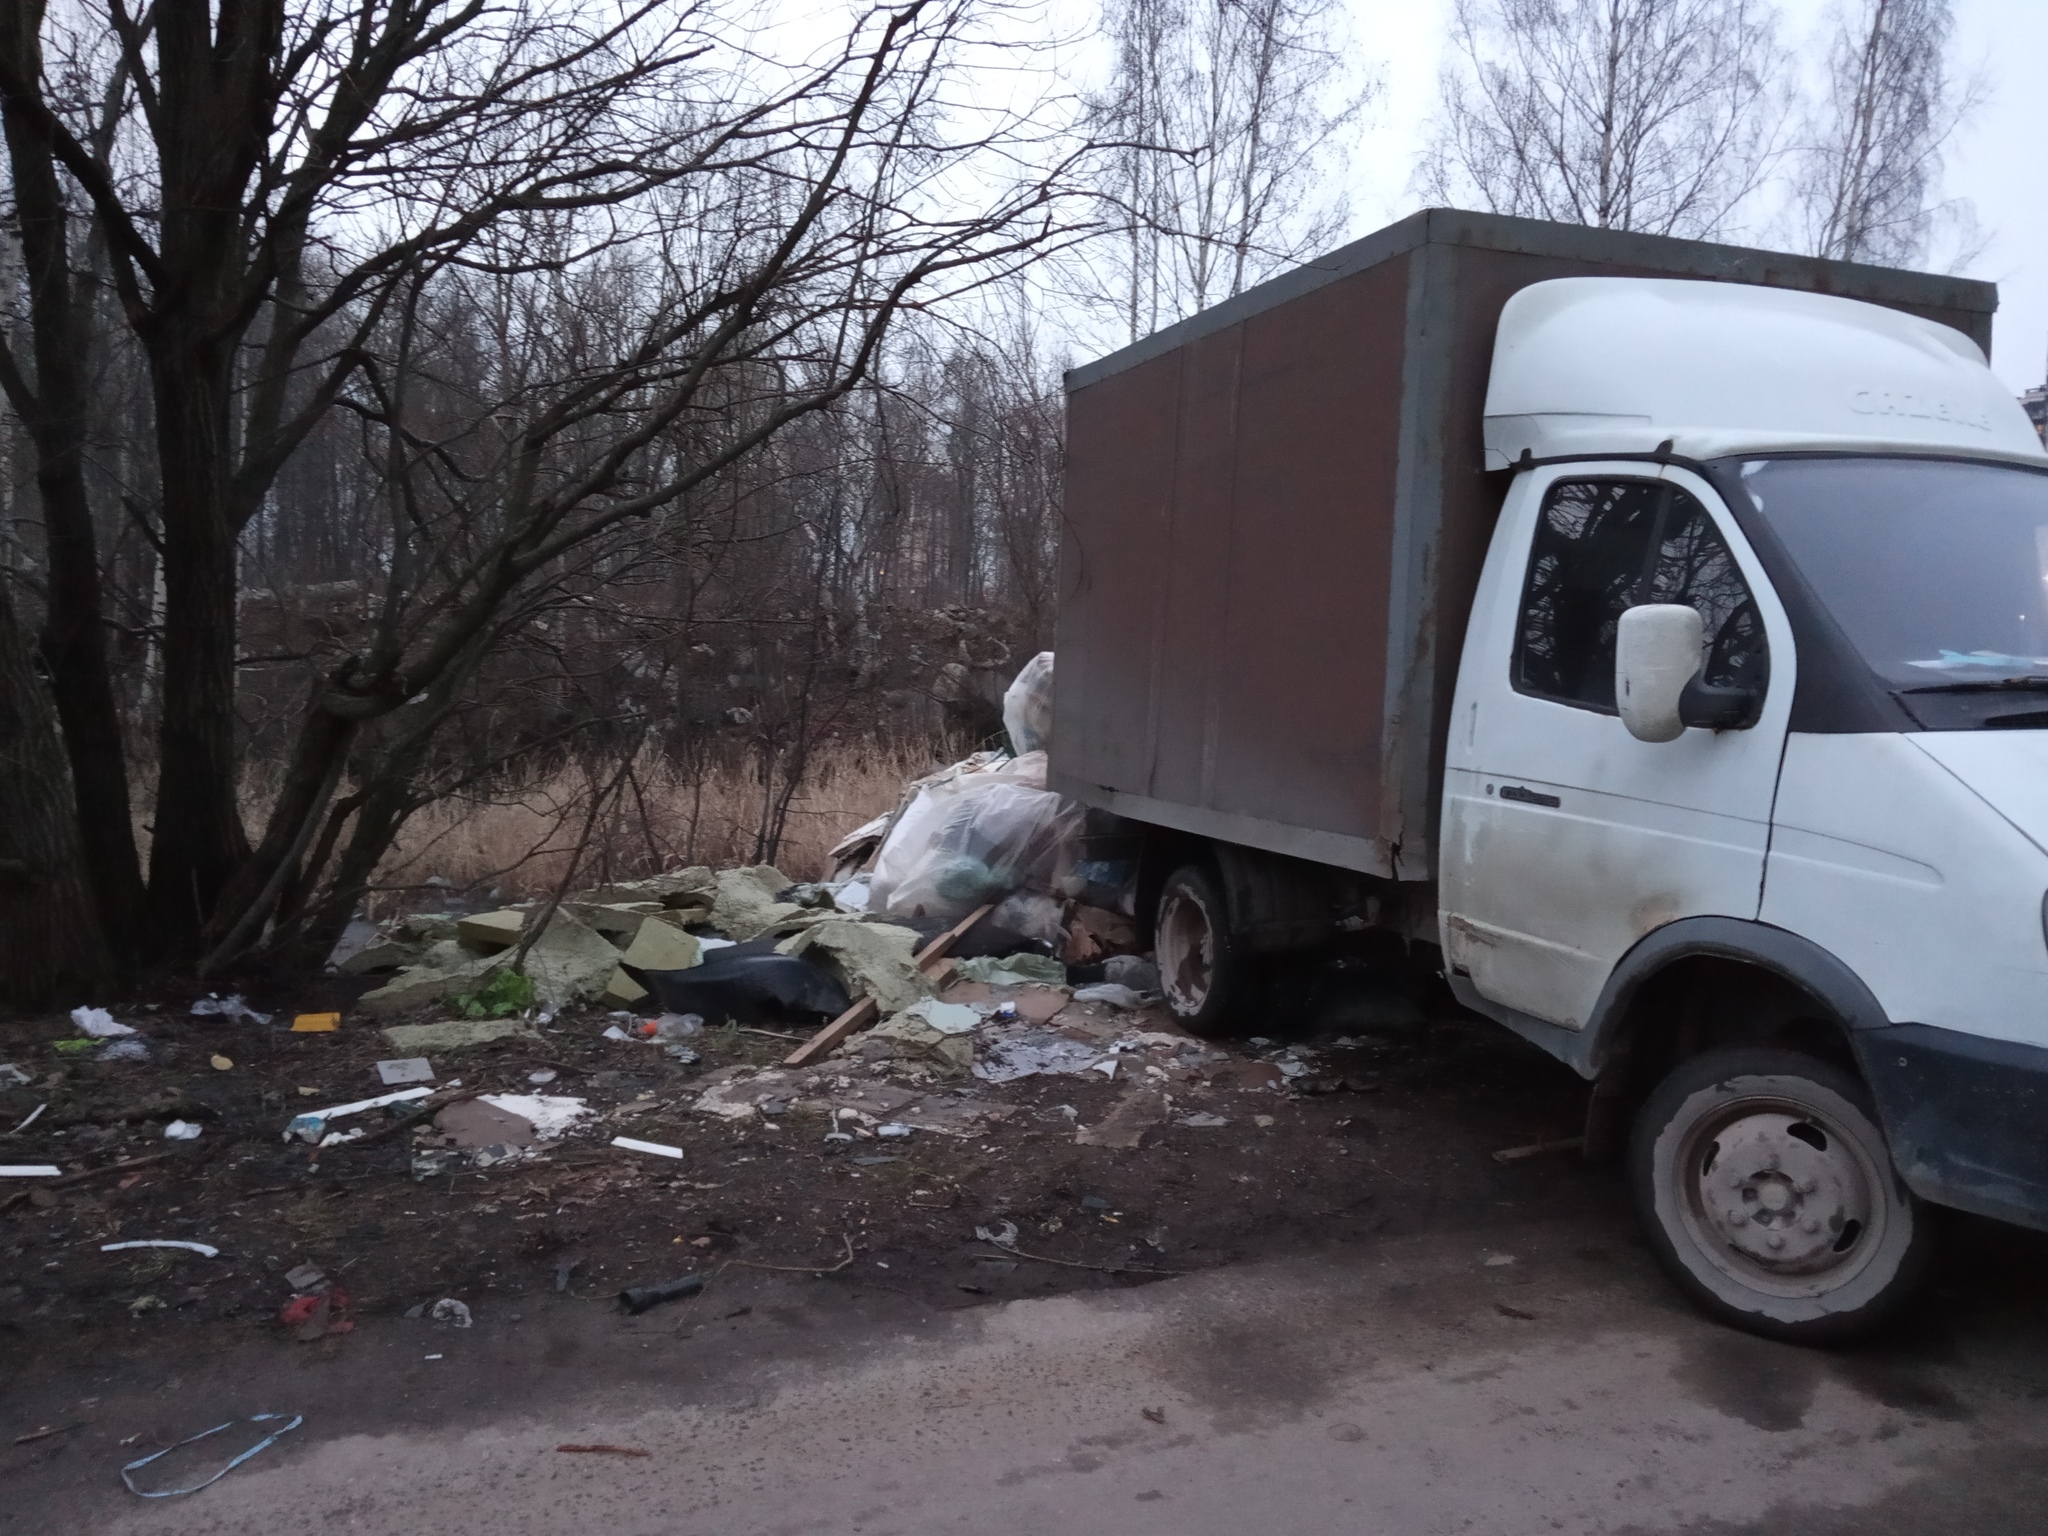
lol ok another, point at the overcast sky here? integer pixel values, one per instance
(2000, 163)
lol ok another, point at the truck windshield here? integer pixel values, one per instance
(1937, 572)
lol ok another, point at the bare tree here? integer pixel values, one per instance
(569, 267)
(1865, 178)
(1653, 115)
(1220, 123)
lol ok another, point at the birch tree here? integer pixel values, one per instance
(1223, 119)
(1654, 115)
(1867, 175)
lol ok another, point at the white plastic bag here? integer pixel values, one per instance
(1027, 706)
(973, 837)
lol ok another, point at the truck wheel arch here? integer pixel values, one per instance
(1658, 1008)
(1837, 990)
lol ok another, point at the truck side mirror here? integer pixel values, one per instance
(1657, 651)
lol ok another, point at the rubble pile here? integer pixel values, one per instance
(969, 983)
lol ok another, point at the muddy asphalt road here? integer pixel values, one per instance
(1377, 1328)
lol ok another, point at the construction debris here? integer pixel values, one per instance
(456, 1034)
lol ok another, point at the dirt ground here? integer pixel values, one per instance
(1369, 1136)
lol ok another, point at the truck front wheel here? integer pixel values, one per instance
(1768, 1193)
(1200, 970)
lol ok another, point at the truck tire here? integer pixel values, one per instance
(1767, 1191)
(1200, 969)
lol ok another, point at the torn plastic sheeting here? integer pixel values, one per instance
(1027, 706)
(312, 1125)
(876, 960)
(204, 1250)
(1013, 971)
(98, 1023)
(1032, 1053)
(213, 1005)
(974, 837)
(263, 1444)
(12, 1076)
(745, 982)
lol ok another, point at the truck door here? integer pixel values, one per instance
(1565, 839)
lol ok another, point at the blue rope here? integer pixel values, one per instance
(264, 1443)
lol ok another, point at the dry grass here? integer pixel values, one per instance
(520, 843)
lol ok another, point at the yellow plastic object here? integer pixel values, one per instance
(315, 1023)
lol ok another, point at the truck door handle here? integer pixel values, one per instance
(1528, 796)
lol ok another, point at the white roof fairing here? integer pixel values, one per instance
(1592, 365)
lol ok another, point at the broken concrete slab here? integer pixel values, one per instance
(657, 946)
(442, 971)
(618, 921)
(875, 960)
(379, 955)
(570, 963)
(457, 1034)
(745, 907)
(909, 1036)
(695, 886)
(426, 927)
(489, 932)
(1125, 1126)
(735, 1094)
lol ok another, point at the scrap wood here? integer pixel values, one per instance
(604, 1450)
(123, 1166)
(865, 1012)
(1107, 1269)
(800, 1269)
(47, 1431)
(1538, 1148)
(421, 1108)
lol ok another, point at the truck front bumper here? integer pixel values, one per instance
(1967, 1117)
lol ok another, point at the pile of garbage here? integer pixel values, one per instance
(983, 839)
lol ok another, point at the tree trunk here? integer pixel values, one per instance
(199, 839)
(301, 804)
(53, 948)
(74, 637)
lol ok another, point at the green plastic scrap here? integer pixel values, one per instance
(264, 1444)
(1013, 970)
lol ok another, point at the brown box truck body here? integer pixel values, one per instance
(1276, 513)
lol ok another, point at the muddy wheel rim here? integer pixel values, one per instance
(1779, 1197)
(1186, 943)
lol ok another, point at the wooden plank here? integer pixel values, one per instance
(864, 1014)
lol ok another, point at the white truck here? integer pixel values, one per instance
(1653, 635)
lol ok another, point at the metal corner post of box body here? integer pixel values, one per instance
(1407, 803)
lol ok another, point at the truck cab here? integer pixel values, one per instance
(1733, 730)
(1818, 832)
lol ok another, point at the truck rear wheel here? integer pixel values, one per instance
(1768, 1193)
(1200, 970)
